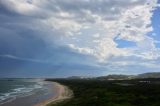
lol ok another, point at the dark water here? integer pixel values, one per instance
(10, 89)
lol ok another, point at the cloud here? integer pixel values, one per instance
(87, 28)
(20, 58)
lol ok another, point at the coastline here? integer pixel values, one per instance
(63, 92)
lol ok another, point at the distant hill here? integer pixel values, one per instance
(78, 77)
(126, 77)
(116, 77)
(149, 75)
(121, 77)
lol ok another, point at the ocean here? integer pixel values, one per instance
(11, 89)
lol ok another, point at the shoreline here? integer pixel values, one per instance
(63, 92)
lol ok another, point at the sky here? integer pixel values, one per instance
(61, 38)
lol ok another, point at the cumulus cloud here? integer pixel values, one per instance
(89, 27)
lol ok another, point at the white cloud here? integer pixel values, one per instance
(20, 6)
(97, 35)
(98, 21)
(81, 50)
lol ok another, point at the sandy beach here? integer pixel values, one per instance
(55, 93)
(63, 92)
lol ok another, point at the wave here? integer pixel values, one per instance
(21, 91)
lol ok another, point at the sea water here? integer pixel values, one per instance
(10, 89)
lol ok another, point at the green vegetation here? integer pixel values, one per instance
(112, 93)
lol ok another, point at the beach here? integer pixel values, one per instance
(63, 92)
(54, 93)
